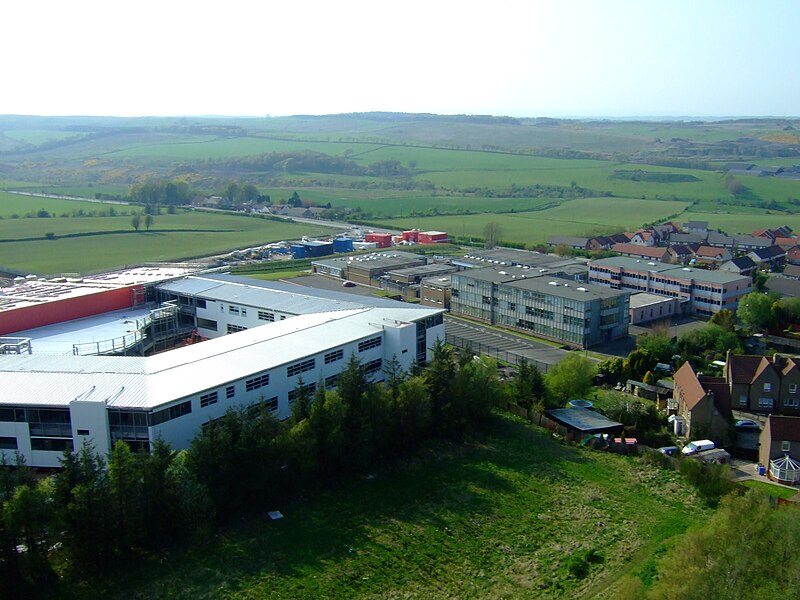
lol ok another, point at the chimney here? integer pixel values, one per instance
(778, 361)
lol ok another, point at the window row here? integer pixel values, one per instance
(370, 343)
(301, 367)
(256, 382)
(334, 356)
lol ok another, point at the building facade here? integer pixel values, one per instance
(558, 309)
(699, 291)
(55, 403)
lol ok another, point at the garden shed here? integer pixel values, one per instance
(580, 422)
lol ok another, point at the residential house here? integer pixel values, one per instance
(778, 232)
(646, 252)
(709, 255)
(779, 437)
(741, 265)
(792, 271)
(620, 238)
(764, 384)
(793, 255)
(601, 242)
(700, 227)
(769, 257)
(785, 286)
(576, 243)
(748, 242)
(680, 254)
(688, 238)
(703, 404)
(786, 242)
(644, 237)
(719, 239)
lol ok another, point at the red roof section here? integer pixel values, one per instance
(646, 251)
(786, 429)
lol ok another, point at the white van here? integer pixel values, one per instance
(697, 446)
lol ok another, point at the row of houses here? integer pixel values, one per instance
(753, 384)
(695, 244)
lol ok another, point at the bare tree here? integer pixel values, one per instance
(491, 234)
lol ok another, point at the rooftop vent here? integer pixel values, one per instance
(582, 289)
(552, 283)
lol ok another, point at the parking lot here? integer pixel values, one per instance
(502, 345)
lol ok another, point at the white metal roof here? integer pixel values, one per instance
(136, 382)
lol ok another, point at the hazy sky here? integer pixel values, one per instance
(534, 58)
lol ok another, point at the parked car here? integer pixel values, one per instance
(697, 446)
(747, 425)
(669, 450)
(348, 284)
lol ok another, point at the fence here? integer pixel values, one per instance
(508, 356)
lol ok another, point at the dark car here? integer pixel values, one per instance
(669, 450)
(747, 425)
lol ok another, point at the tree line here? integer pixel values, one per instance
(98, 510)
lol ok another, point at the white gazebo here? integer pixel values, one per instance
(785, 470)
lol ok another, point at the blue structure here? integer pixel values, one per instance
(343, 244)
(312, 249)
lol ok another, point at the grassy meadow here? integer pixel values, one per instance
(457, 175)
(108, 242)
(585, 216)
(498, 517)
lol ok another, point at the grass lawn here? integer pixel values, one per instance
(773, 490)
(173, 237)
(497, 517)
(585, 216)
(16, 204)
(743, 222)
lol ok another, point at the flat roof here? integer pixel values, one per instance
(567, 289)
(498, 274)
(642, 299)
(511, 256)
(32, 291)
(147, 383)
(281, 296)
(388, 258)
(58, 338)
(423, 270)
(582, 419)
(445, 281)
(689, 273)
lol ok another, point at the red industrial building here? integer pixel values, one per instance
(74, 304)
(384, 240)
(432, 237)
(415, 236)
(411, 236)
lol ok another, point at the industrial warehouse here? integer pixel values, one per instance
(281, 336)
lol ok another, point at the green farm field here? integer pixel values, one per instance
(585, 216)
(20, 205)
(494, 518)
(172, 237)
(744, 222)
